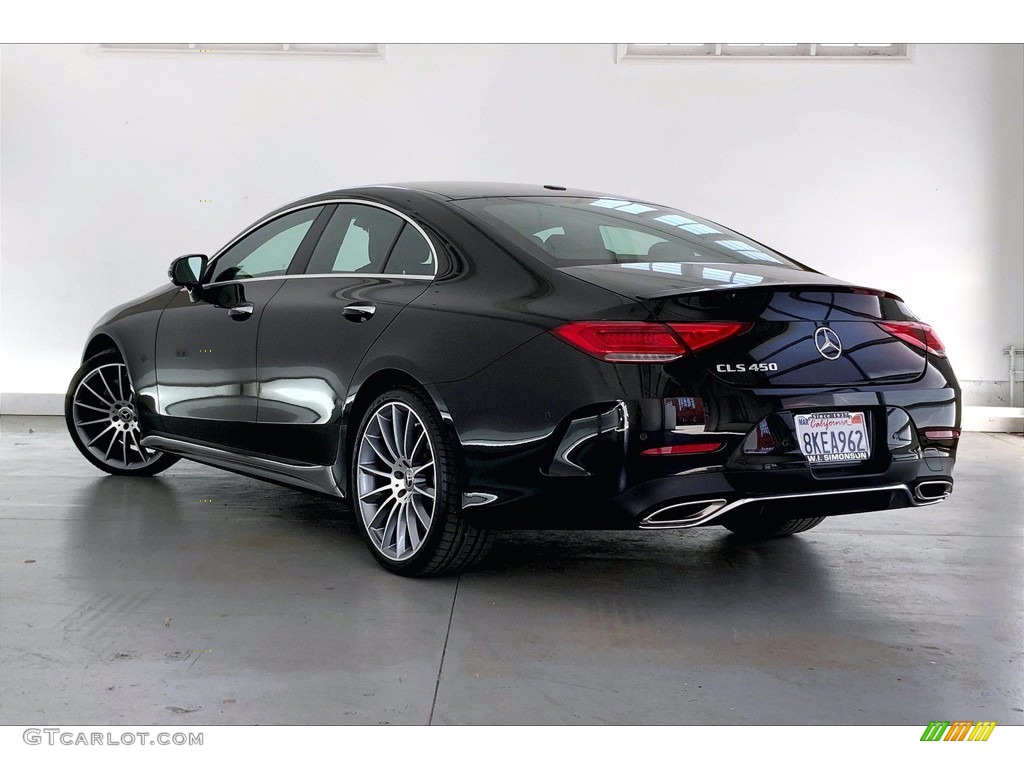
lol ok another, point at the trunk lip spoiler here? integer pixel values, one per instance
(808, 280)
(838, 287)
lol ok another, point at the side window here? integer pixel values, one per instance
(411, 255)
(268, 251)
(358, 238)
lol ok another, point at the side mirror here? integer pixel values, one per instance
(187, 271)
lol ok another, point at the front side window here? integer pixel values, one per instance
(267, 251)
(567, 231)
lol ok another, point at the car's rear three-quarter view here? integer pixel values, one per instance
(453, 358)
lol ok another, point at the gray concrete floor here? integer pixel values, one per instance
(201, 597)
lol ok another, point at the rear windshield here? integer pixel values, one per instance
(574, 231)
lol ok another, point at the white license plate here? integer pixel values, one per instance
(826, 438)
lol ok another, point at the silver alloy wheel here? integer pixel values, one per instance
(396, 481)
(103, 409)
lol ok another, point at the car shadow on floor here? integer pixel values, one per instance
(156, 518)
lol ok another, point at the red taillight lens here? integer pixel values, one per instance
(697, 336)
(917, 335)
(623, 342)
(630, 342)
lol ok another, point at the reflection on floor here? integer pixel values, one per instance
(201, 597)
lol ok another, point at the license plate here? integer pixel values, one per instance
(826, 438)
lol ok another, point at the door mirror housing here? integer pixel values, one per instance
(187, 271)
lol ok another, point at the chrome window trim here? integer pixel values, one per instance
(320, 274)
(323, 204)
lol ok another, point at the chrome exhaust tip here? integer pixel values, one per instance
(685, 515)
(933, 490)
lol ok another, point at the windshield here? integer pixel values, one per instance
(575, 231)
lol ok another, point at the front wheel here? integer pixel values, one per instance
(102, 416)
(406, 489)
(757, 528)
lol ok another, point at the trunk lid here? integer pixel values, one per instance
(807, 330)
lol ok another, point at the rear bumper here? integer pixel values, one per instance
(709, 498)
(574, 450)
(715, 494)
(788, 506)
(593, 474)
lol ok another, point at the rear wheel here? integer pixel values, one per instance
(758, 528)
(102, 416)
(406, 489)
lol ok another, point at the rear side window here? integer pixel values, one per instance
(568, 231)
(358, 238)
(411, 255)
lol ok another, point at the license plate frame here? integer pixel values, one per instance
(835, 437)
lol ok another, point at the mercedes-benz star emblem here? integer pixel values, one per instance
(828, 343)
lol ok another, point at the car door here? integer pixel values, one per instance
(206, 340)
(369, 263)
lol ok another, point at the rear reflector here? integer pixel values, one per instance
(677, 450)
(632, 342)
(942, 434)
(917, 335)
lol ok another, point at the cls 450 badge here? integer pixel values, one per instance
(744, 368)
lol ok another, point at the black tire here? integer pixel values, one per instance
(759, 528)
(447, 544)
(91, 415)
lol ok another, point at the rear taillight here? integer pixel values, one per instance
(917, 335)
(697, 336)
(632, 342)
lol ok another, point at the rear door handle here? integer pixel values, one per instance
(359, 313)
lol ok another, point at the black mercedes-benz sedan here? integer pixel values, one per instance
(451, 358)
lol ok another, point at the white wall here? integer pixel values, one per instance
(905, 175)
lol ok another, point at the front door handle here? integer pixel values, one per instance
(241, 311)
(358, 313)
